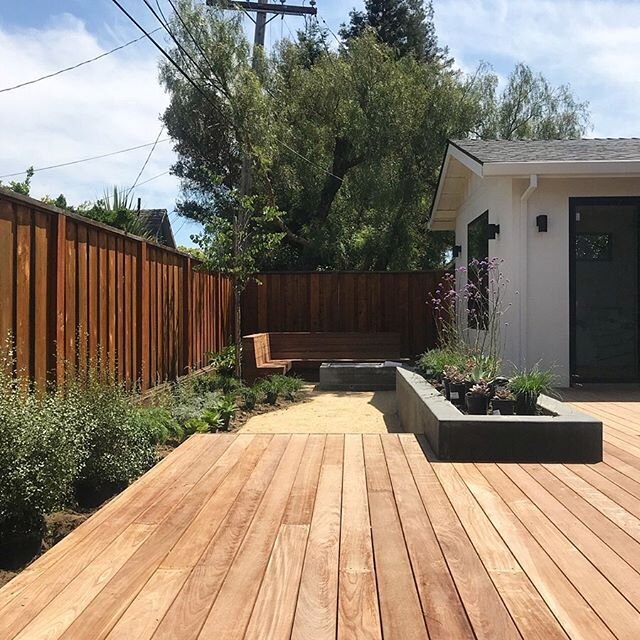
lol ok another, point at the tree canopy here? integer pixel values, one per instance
(345, 144)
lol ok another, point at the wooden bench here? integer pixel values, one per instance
(264, 354)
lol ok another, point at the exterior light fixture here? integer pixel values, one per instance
(542, 222)
(493, 231)
(457, 250)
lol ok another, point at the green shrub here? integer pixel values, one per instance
(161, 424)
(196, 425)
(215, 382)
(279, 386)
(432, 364)
(224, 362)
(38, 458)
(117, 443)
(250, 398)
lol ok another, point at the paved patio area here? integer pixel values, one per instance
(350, 536)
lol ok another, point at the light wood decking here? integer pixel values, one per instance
(349, 536)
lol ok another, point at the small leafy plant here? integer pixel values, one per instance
(527, 385)
(480, 390)
(223, 362)
(503, 393)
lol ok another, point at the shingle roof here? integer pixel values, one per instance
(159, 224)
(584, 150)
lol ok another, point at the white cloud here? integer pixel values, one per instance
(590, 44)
(105, 106)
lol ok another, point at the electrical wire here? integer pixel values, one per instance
(76, 66)
(104, 155)
(164, 173)
(146, 162)
(194, 84)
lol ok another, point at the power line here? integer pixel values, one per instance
(180, 70)
(164, 173)
(146, 162)
(75, 66)
(104, 155)
(194, 84)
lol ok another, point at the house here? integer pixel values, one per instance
(563, 217)
(159, 225)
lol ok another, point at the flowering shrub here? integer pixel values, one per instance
(469, 320)
(39, 458)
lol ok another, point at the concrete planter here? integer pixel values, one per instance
(565, 435)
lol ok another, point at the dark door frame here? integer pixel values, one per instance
(574, 203)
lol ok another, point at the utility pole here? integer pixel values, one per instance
(261, 20)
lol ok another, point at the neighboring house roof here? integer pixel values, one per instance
(586, 157)
(159, 225)
(584, 150)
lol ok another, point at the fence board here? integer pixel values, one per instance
(348, 301)
(71, 288)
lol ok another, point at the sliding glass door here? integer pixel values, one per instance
(604, 289)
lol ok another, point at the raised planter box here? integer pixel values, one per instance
(565, 435)
(358, 376)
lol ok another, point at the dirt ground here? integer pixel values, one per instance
(332, 412)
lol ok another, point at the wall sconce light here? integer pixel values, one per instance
(542, 222)
(457, 250)
(492, 231)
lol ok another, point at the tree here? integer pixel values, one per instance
(530, 108)
(227, 128)
(22, 187)
(406, 26)
(346, 144)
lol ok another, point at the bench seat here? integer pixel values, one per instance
(279, 352)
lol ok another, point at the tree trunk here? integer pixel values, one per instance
(237, 327)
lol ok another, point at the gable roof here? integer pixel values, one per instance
(584, 158)
(158, 223)
(583, 150)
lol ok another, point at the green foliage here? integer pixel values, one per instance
(432, 363)
(39, 457)
(250, 398)
(532, 381)
(22, 187)
(224, 361)
(406, 26)
(344, 146)
(118, 443)
(161, 424)
(85, 439)
(279, 386)
(116, 209)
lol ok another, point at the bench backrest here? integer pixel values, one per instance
(335, 345)
(256, 348)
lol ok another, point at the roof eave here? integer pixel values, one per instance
(620, 168)
(453, 151)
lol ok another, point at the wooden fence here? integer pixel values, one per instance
(71, 289)
(344, 301)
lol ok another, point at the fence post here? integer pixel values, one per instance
(143, 315)
(186, 317)
(61, 273)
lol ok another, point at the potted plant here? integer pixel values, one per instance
(527, 385)
(503, 402)
(477, 399)
(448, 373)
(458, 386)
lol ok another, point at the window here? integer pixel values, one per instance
(593, 247)
(477, 271)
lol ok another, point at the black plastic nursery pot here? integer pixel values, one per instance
(445, 382)
(457, 392)
(477, 405)
(526, 404)
(503, 407)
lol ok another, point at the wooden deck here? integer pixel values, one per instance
(349, 536)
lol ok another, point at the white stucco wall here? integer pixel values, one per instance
(547, 335)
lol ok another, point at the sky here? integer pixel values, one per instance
(116, 102)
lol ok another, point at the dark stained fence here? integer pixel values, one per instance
(71, 289)
(344, 301)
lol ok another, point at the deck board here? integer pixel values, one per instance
(350, 536)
